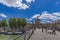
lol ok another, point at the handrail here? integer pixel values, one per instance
(18, 37)
(26, 35)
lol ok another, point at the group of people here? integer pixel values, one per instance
(53, 30)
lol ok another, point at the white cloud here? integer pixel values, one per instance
(56, 14)
(24, 6)
(57, 18)
(29, 1)
(3, 15)
(35, 16)
(46, 21)
(16, 3)
(28, 19)
(46, 15)
(57, 2)
(50, 17)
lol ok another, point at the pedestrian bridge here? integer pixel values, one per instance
(38, 35)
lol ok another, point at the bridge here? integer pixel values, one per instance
(38, 35)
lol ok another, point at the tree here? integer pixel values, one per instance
(23, 22)
(12, 23)
(3, 23)
(17, 23)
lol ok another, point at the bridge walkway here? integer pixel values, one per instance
(38, 35)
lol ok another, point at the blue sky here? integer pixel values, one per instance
(46, 10)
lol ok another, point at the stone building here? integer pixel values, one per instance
(37, 24)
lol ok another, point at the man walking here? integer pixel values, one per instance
(42, 29)
(54, 30)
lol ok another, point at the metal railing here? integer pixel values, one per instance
(17, 35)
(25, 36)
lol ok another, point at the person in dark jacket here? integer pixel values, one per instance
(54, 30)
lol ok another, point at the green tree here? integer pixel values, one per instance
(17, 23)
(3, 23)
(23, 22)
(12, 23)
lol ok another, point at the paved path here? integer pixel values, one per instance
(38, 35)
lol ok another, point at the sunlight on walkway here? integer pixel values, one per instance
(38, 35)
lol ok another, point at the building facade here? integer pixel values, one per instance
(37, 24)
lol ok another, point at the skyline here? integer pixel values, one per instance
(46, 10)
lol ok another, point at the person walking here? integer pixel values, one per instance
(46, 29)
(42, 29)
(54, 30)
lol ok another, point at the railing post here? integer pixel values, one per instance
(25, 35)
